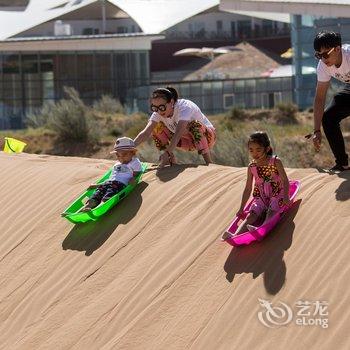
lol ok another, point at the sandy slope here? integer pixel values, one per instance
(153, 273)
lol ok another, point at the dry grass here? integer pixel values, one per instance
(233, 130)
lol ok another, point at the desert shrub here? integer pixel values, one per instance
(39, 118)
(237, 113)
(231, 148)
(138, 122)
(108, 104)
(72, 120)
(286, 113)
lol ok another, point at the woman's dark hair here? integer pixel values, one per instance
(327, 40)
(262, 140)
(167, 93)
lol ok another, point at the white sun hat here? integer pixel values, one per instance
(124, 144)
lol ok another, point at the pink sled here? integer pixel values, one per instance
(258, 234)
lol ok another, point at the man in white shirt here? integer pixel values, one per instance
(334, 61)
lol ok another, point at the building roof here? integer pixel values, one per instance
(108, 42)
(80, 37)
(246, 62)
(153, 16)
(326, 8)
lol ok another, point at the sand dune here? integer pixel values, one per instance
(153, 274)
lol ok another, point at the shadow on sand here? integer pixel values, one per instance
(170, 172)
(92, 235)
(266, 256)
(342, 193)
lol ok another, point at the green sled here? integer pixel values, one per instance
(72, 212)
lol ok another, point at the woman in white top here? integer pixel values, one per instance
(177, 123)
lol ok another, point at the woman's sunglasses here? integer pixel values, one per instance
(155, 108)
(324, 55)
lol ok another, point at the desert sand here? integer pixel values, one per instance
(153, 273)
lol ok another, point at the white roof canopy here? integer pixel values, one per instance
(326, 8)
(272, 16)
(153, 16)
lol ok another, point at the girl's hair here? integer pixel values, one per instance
(167, 93)
(262, 140)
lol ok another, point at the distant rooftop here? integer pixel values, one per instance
(327, 8)
(13, 3)
(75, 37)
(245, 62)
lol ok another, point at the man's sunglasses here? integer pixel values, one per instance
(324, 55)
(155, 108)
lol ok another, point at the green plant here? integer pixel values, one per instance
(72, 120)
(286, 113)
(108, 104)
(237, 113)
(39, 118)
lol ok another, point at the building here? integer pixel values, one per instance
(102, 46)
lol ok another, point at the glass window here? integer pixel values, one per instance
(261, 84)
(104, 87)
(47, 64)
(239, 100)
(86, 88)
(144, 66)
(274, 84)
(103, 66)
(244, 29)
(12, 88)
(48, 89)
(239, 86)
(250, 85)
(229, 101)
(120, 66)
(30, 64)
(228, 87)
(184, 90)
(85, 63)
(32, 89)
(196, 90)
(10, 64)
(67, 66)
(207, 97)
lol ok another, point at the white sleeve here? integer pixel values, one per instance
(186, 111)
(155, 117)
(322, 74)
(136, 165)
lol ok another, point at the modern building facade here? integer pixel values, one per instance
(103, 47)
(35, 71)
